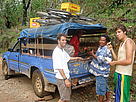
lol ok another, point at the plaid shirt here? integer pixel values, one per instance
(100, 66)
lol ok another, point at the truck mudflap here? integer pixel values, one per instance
(86, 80)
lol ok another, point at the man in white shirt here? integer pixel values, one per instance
(60, 60)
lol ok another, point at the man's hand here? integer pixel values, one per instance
(110, 47)
(91, 52)
(79, 58)
(67, 83)
(112, 63)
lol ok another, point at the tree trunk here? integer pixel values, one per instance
(7, 23)
(24, 17)
(25, 8)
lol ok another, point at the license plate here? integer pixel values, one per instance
(85, 80)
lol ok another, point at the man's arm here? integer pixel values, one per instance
(67, 82)
(113, 54)
(112, 51)
(76, 58)
(129, 46)
(92, 53)
(57, 61)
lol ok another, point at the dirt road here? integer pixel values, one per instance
(16, 89)
(19, 89)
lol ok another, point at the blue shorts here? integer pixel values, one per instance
(101, 85)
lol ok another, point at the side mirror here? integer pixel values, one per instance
(10, 49)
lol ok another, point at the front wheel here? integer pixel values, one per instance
(38, 84)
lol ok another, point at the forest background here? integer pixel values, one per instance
(15, 15)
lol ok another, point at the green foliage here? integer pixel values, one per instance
(43, 5)
(2, 21)
(6, 39)
(107, 12)
(11, 12)
(133, 85)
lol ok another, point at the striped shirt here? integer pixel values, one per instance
(100, 66)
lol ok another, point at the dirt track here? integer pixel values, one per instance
(19, 89)
(16, 89)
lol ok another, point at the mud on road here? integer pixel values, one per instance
(19, 89)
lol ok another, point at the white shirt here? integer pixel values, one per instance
(60, 60)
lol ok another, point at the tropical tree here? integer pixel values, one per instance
(26, 5)
(10, 13)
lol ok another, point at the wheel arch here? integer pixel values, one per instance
(4, 59)
(32, 69)
(48, 86)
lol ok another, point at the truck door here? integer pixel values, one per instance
(24, 64)
(14, 57)
(26, 59)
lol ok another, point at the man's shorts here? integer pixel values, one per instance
(101, 85)
(122, 87)
(64, 91)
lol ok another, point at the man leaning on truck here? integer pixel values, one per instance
(60, 60)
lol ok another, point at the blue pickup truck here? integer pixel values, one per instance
(32, 55)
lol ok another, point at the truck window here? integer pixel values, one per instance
(39, 46)
(16, 48)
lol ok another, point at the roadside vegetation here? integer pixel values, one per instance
(15, 15)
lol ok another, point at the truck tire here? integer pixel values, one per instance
(38, 84)
(5, 71)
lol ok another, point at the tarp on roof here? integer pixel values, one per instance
(66, 28)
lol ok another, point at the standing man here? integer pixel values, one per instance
(124, 65)
(60, 60)
(100, 67)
